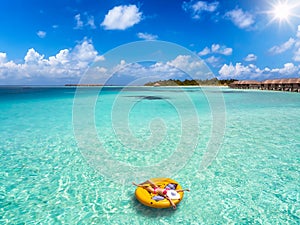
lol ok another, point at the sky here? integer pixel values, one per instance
(57, 42)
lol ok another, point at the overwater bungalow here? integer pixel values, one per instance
(245, 84)
(292, 84)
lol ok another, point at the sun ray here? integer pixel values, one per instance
(283, 11)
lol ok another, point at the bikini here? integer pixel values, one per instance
(164, 191)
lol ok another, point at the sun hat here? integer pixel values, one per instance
(172, 194)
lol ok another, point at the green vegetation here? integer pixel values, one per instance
(173, 82)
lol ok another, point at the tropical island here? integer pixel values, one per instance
(288, 84)
(186, 82)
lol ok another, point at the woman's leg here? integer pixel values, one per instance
(148, 185)
(145, 184)
(171, 202)
(152, 184)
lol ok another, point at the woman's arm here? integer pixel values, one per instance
(182, 190)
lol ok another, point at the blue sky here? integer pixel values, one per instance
(55, 42)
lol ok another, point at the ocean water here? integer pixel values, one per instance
(68, 156)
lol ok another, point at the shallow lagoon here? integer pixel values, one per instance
(45, 177)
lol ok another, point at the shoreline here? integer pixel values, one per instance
(70, 86)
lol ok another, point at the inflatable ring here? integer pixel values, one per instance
(146, 198)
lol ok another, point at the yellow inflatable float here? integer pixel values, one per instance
(156, 201)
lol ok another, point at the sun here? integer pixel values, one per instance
(282, 11)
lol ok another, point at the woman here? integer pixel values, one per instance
(154, 189)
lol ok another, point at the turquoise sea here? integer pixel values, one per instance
(69, 156)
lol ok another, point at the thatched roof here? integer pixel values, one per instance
(282, 81)
(252, 82)
(246, 82)
(293, 81)
(268, 82)
(274, 81)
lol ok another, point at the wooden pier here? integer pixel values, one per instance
(292, 84)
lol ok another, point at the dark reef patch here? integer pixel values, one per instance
(148, 97)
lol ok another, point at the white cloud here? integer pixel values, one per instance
(33, 57)
(250, 57)
(240, 18)
(79, 22)
(226, 51)
(88, 21)
(181, 67)
(2, 57)
(204, 6)
(122, 17)
(292, 44)
(233, 71)
(147, 36)
(282, 48)
(251, 71)
(145, 73)
(205, 51)
(41, 34)
(216, 49)
(214, 61)
(197, 8)
(223, 50)
(288, 70)
(196, 68)
(298, 32)
(91, 22)
(66, 64)
(69, 66)
(84, 52)
(186, 63)
(296, 56)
